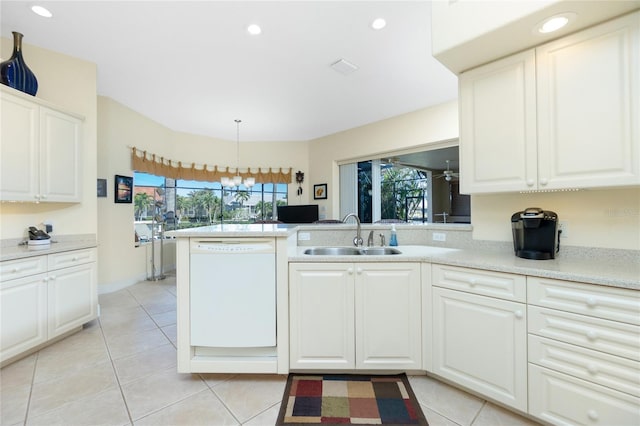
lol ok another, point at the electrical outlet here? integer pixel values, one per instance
(439, 236)
(562, 226)
(304, 236)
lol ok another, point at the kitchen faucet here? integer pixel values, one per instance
(370, 239)
(357, 240)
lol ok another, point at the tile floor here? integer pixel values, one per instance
(121, 370)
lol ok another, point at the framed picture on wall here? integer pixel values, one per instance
(320, 191)
(123, 189)
(102, 187)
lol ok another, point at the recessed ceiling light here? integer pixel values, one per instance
(42, 11)
(254, 29)
(555, 23)
(378, 24)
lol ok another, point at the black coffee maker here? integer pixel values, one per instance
(535, 233)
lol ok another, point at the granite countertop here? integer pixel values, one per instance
(624, 273)
(11, 250)
(234, 230)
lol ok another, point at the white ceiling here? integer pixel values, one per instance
(192, 66)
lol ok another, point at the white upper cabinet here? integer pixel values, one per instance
(498, 126)
(588, 107)
(19, 145)
(563, 115)
(40, 149)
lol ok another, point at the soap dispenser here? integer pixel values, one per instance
(393, 241)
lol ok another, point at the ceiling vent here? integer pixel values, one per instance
(344, 67)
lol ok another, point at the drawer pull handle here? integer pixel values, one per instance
(592, 369)
(473, 282)
(592, 414)
(530, 182)
(592, 335)
(52, 277)
(75, 258)
(350, 271)
(592, 302)
(15, 270)
(518, 314)
(359, 271)
(544, 181)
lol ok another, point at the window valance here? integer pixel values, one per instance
(149, 163)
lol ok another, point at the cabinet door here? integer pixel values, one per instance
(481, 343)
(321, 316)
(23, 312)
(498, 126)
(72, 297)
(60, 178)
(18, 149)
(564, 400)
(388, 317)
(588, 107)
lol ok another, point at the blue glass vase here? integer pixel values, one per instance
(15, 73)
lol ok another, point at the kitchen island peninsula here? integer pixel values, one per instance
(232, 302)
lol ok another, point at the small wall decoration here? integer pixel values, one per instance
(102, 187)
(320, 191)
(299, 180)
(123, 189)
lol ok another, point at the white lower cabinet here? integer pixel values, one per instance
(23, 314)
(584, 353)
(44, 297)
(321, 316)
(562, 399)
(480, 342)
(346, 316)
(72, 298)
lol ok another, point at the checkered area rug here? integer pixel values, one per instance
(349, 399)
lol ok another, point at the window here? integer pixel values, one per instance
(418, 187)
(186, 204)
(403, 192)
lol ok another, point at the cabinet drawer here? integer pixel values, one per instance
(617, 304)
(488, 283)
(592, 333)
(618, 373)
(71, 258)
(565, 400)
(13, 269)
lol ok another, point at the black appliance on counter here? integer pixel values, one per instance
(535, 234)
(305, 213)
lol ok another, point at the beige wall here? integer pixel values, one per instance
(121, 263)
(71, 84)
(409, 132)
(594, 218)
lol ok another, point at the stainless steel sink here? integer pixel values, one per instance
(333, 251)
(351, 251)
(379, 251)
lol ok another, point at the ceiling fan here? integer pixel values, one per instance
(394, 161)
(448, 174)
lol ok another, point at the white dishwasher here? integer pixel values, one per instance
(233, 293)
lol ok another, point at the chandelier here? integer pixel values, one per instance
(230, 182)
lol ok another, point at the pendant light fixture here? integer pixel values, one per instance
(230, 182)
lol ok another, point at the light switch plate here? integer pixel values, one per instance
(439, 236)
(304, 236)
